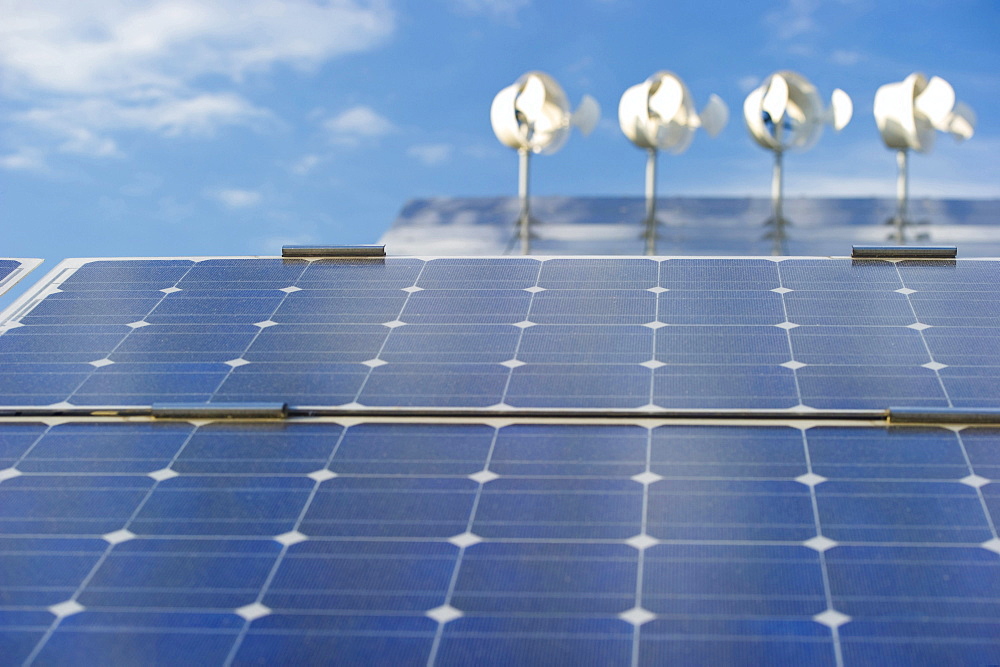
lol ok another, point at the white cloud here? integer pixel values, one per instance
(748, 82)
(846, 58)
(794, 20)
(85, 142)
(502, 9)
(431, 154)
(102, 46)
(357, 123)
(233, 198)
(84, 70)
(26, 159)
(305, 164)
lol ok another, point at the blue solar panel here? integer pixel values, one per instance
(587, 333)
(531, 543)
(12, 270)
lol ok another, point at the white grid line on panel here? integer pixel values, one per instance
(265, 587)
(385, 341)
(470, 524)
(40, 645)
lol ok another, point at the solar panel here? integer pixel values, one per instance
(528, 333)
(470, 541)
(446, 510)
(687, 225)
(12, 270)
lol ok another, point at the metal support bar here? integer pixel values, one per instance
(905, 252)
(220, 410)
(333, 251)
(944, 415)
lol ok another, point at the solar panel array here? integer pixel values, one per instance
(519, 332)
(607, 538)
(688, 225)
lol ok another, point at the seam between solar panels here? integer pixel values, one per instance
(896, 416)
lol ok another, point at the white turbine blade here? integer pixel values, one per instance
(714, 116)
(633, 114)
(587, 115)
(962, 123)
(936, 102)
(775, 100)
(551, 118)
(667, 99)
(754, 122)
(841, 109)
(894, 114)
(504, 119)
(531, 99)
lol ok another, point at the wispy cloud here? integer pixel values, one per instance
(846, 58)
(81, 71)
(431, 154)
(501, 9)
(305, 164)
(26, 159)
(748, 82)
(353, 125)
(235, 198)
(795, 19)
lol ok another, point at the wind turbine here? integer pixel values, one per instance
(533, 116)
(908, 114)
(786, 112)
(659, 114)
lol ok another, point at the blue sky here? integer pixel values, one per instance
(207, 127)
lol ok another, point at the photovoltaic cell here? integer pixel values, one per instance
(461, 542)
(582, 333)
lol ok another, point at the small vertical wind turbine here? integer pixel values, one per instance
(785, 112)
(908, 113)
(533, 116)
(659, 114)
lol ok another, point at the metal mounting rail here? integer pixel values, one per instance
(905, 415)
(333, 251)
(904, 252)
(219, 410)
(902, 415)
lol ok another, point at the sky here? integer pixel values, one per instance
(231, 127)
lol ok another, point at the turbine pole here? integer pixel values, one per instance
(777, 189)
(651, 201)
(777, 202)
(902, 192)
(524, 220)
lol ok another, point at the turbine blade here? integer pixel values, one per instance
(841, 109)
(775, 100)
(531, 99)
(936, 102)
(504, 118)
(667, 99)
(962, 123)
(633, 114)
